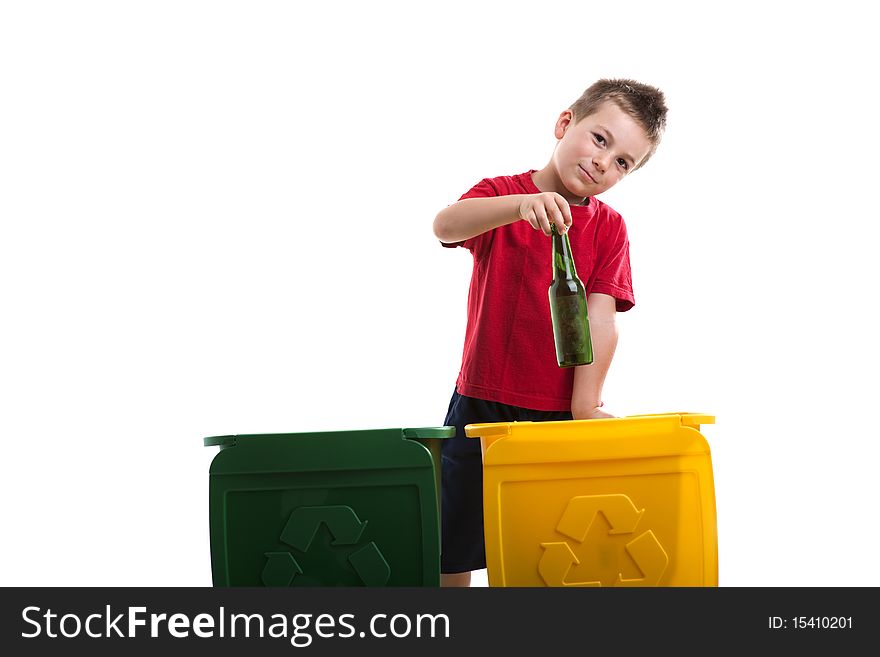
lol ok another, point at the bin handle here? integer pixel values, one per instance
(220, 441)
(687, 419)
(424, 433)
(696, 419)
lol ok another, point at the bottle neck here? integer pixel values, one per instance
(563, 262)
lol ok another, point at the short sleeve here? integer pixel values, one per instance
(613, 271)
(483, 189)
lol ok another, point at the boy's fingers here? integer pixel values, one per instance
(565, 209)
(541, 213)
(558, 219)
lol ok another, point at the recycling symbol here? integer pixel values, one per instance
(622, 515)
(343, 523)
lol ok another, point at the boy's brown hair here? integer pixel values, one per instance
(644, 103)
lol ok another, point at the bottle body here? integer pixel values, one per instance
(568, 308)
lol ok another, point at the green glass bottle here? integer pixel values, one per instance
(568, 307)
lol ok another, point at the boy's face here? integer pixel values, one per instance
(593, 154)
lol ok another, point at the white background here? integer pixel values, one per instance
(216, 219)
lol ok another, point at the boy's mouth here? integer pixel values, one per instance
(587, 175)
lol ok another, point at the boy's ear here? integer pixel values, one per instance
(565, 120)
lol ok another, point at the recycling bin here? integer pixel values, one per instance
(346, 508)
(614, 502)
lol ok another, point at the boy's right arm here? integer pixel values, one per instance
(470, 217)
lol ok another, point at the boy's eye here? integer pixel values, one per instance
(623, 163)
(599, 138)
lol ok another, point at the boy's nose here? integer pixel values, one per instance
(600, 161)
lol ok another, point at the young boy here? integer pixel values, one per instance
(509, 371)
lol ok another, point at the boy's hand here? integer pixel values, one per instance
(540, 209)
(595, 414)
(581, 412)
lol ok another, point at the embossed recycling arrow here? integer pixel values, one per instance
(555, 564)
(619, 510)
(370, 565)
(280, 569)
(343, 523)
(649, 556)
(303, 524)
(623, 517)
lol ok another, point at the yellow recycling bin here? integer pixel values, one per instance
(617, 502)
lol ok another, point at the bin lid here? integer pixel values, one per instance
(632, 436)
(419, 433)
(487, 429)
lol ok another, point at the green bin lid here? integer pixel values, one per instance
(420, 433)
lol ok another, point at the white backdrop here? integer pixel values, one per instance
(216, 218)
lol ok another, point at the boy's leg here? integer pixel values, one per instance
(455, 579)
(462, 547)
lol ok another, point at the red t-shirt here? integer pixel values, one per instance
(509, 355)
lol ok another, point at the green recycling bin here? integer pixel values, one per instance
(344, 508)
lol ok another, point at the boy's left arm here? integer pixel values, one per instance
(586, 396)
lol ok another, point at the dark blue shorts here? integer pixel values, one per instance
(463, 547)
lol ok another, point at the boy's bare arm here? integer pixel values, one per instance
(586, 395)
(474, 216)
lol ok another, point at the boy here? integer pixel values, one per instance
(509, 371)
